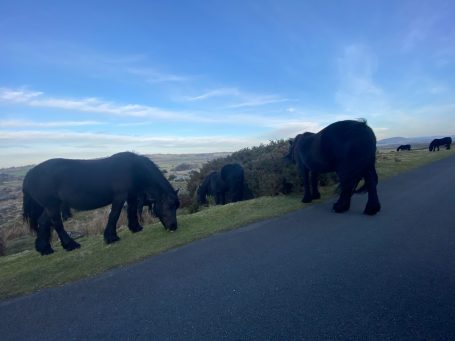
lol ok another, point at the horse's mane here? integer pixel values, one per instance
(152, 169)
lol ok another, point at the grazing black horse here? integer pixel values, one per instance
(436, 143)
(54, 186)
(214, 186)
(234, 178)
(226, 185)
(346, 147)
(404, 147)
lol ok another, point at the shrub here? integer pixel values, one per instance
(183, 167)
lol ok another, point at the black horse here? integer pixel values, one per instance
(346, 147)
(226, 185)
(234, 178)
(214, 186)
(404, 147)
(54, 186)
(436, 143)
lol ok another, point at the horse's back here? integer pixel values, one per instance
(342, 142)
(82, 184)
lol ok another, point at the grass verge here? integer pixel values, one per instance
(27, 271)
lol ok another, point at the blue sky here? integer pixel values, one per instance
(83, 79)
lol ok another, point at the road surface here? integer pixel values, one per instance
(312, 274)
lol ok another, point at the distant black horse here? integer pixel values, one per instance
(226, 185)
(404, 147)
(56, 185)
(436, 143)
(346, 147)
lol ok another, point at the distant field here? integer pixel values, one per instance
(27, 271)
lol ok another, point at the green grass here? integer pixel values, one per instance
(28, 271)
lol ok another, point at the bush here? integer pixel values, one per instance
(183, 167)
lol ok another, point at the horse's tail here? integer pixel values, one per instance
(31, 211)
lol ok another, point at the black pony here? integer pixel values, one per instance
(404, 147)
(234, 178)
(346, 147)
(214, 186)
(226, 185)
(54, 186)
(436, 143)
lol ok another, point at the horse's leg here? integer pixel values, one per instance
(42, 242)
(67, 242)
(110, 232)
(347, 184)
(132, 211)
(371, 180)
(140, 208)
(223, 198)
(307, 197)
(66, 211)
(314, 186)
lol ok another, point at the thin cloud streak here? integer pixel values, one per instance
(92, 105)
(49, 124)
(95, 105)
(243, 99)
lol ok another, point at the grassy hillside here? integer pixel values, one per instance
(27, 271)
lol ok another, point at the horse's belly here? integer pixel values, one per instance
(86, 201)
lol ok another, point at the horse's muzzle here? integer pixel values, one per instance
(172, 227)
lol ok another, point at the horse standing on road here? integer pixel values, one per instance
(345, 147)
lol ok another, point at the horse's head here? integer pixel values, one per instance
(166, 210)
(289, 157)
(296, 143)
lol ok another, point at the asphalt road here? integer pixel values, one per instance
(312, 274)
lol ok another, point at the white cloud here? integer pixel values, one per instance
(239, 98)
(95, 105)
(155, 76)
(92, 105)
(49, 124)
(221, 92)
(18, 95)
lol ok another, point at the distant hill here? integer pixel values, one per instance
(395, 141)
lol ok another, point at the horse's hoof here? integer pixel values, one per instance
(135, 229)
(71, 245)
(306, 200)
(46, 251)
(372, 209)
(111, 239)
(317, 196)
(339, 208)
